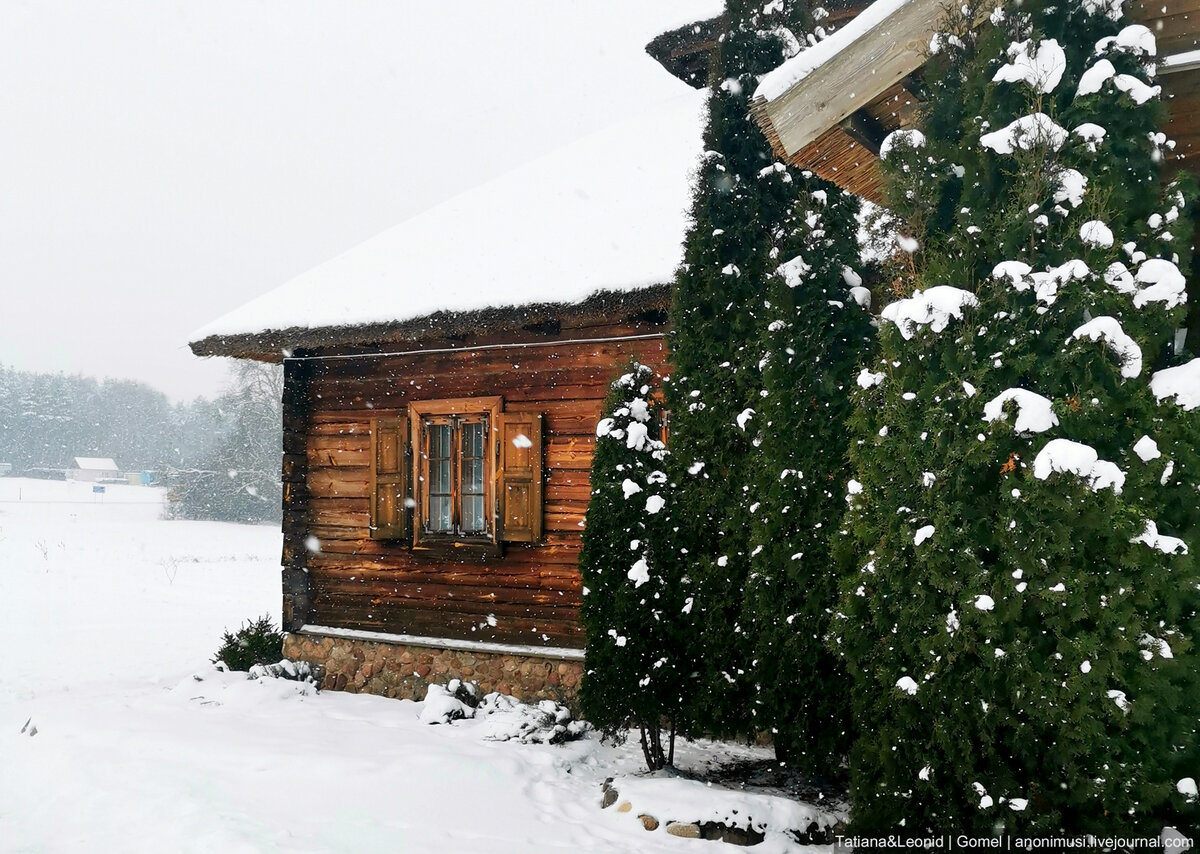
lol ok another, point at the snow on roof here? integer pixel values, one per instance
(606, 212)
(775, 83)
(699, 12)
(96, 463)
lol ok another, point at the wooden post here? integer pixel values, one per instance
(297, 594)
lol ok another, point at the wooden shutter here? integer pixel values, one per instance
(389, 478)
(519, 477)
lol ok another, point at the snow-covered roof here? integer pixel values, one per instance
(607, 212)
(775, 83)
(96, 464)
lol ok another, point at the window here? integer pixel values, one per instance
(453, 467)
(457, 472)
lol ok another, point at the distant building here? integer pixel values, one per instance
(95, 470)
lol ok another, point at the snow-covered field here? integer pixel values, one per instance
(108, 616)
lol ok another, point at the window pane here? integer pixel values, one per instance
(472, 514)
(439, 478)
(439, 513)
(472, 475)
(439, 441)
(473, 440)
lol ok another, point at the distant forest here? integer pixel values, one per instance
(219, 458)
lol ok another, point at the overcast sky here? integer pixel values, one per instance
(163, 162)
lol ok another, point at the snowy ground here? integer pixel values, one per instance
(107, 617)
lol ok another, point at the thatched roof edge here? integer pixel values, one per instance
(600, 307)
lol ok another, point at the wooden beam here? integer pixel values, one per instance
(854, 75)
(863, 129)
(1179, 62)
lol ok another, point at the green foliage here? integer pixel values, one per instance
(256, 642)
(1022, 658)
(741, 208)
(816, 336)
(634, 608)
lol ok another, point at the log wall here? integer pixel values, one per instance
(530, 594)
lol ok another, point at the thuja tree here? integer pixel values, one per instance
(741, 209)
(634, 607)
(818, 334)
(1019, 620)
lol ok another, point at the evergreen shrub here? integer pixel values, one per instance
(256, 642)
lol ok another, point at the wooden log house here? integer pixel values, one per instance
(443, 382)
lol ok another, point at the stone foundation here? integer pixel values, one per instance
(405, 670)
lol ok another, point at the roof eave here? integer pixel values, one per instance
(273, 345)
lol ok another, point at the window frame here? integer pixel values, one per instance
(455, 411)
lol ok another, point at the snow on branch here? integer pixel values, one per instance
(1040, 66)
(1035, 414)
(1108, 330)
(1160, 280)
(933, 308)
(1063, 455)
(1167, 545)
(1025, 134)
(1045, 284)
(1102, 71)
(1181, 383)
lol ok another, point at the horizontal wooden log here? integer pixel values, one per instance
(354, 542)
(563, 417)
(576, 458)
(568, 477)
(564, 521)
(571, 328)
(610, 356)
(522, 568)
(362, 416)
(1146, 11)
(461, 597)
(448, 624)
(563, 589)
(384, 393)
(337, 451)
(339, 482)
(349, 514)
(564, 493)
(332, 424)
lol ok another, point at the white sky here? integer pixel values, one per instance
(163, 162)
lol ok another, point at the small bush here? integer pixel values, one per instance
(256, 642)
